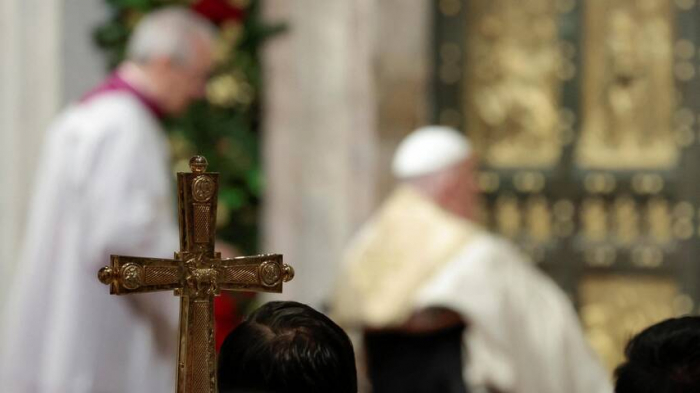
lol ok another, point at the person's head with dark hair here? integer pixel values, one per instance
(286, 347)
(664, 358)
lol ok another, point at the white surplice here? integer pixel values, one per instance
(523, 335)
(103, 187)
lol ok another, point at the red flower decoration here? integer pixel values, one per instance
(226, 317)
(218, 11)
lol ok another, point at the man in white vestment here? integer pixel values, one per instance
(441, 304)
(104, 187)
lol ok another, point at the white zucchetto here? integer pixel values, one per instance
(429, 149)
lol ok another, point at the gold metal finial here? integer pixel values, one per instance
(106, 275)
(288, 273)
(198, 164)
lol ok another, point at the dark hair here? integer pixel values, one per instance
(664, 358)
(287, 347)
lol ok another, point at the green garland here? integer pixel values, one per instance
(225, 127)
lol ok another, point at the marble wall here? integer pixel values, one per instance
(343, 85)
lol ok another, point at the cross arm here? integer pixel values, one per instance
(259, 273)
(126, 274)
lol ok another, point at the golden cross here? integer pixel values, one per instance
(197, 274)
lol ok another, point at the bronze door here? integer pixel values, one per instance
(585, 116)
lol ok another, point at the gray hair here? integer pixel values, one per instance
(169, 32)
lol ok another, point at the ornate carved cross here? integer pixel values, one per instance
(197, 274)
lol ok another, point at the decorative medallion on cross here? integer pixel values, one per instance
(197, 274)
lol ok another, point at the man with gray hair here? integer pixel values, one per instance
(103, 187)
(444, 306)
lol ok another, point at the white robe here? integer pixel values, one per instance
(523, 335)
(103, 187)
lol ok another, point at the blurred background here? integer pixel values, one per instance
(584, 113)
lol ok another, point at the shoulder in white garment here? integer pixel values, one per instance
(523, 336)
